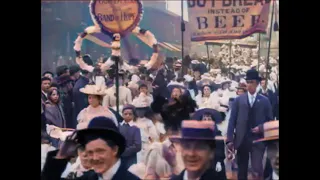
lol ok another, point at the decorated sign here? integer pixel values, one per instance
(116, 16)
(227, 19)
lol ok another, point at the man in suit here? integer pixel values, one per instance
(248, 113)
(45, 86)
(104, 146)
(198, 146)
(269, 94)
(132, 135)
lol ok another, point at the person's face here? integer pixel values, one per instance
(48, 75)
(206, 91)
(76, 75)
(226, 86)
(127, 115)
(93, 100)
(55, 96)
(197, 74)
(207, 118)
(263, 84)
(45, 85)
(175, 93)
(196, 155)
(240, 91)
(67, 72)
(101, 155)
(143, 90)
(85, 161)
(252, 86)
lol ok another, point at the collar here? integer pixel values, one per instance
(112, 171)
(44, 93)
(185, 176)
(130, 123)
(254, 95)
(274, 175)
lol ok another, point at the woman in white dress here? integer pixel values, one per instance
(148, 132)
(95, 109)
(206, 99)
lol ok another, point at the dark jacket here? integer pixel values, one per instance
(272, 98)
(80, 99)
(133, 144)
(239, 117)
(54, 168)
(65, 90)
(219, 155)
(43, 98)
(210, 174)
(54, 115)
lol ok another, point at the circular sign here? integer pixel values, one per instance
(116, 16)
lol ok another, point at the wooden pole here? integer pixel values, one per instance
(259, 51)
(183, 28)
(269, 46)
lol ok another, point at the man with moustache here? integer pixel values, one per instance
(104, 146)
(248, 114)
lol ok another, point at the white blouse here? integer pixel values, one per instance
(87, 114)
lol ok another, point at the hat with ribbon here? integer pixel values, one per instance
(197, 130)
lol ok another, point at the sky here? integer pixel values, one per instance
(175, 7)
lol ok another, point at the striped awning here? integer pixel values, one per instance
(169, 46)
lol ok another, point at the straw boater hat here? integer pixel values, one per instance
(99, 88)
(270, 131)
(197, 130)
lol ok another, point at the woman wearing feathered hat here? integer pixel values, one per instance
(104, 145)
(95, 93)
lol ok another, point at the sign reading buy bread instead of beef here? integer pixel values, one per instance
(116, 16)
(227, 19)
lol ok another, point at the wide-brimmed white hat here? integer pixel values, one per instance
(99, 88)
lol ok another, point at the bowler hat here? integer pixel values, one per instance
(253, 74)
(106, 129)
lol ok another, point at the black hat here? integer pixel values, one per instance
(253, 74)
(74, 69)
(214, 113)
(48, 72)
(61, 70)
(106, 129)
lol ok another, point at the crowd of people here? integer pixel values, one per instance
(169, 126)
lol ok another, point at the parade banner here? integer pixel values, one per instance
(227, 19)
(116, 16)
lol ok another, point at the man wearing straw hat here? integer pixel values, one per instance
(104, 146)
(248, 113)
(198, 144)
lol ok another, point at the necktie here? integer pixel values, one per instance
(252, 101)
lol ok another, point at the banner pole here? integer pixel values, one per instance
(229, 70)
(269, 45)
(259, 51)
(182, 40)
(208, 55)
